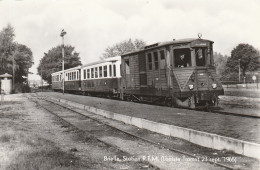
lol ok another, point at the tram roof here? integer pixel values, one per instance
(160, 44)
(110, 59)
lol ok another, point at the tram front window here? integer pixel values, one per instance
(200, 56)
(182, 57)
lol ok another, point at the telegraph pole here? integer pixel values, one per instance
(239, 71)
(63, 77)
(41, 79)
(13, 75)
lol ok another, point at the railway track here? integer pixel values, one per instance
(67, 123)
(233, 114)
(107, 125)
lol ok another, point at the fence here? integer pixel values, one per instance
(236, 84)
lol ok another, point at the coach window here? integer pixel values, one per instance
(162, 60)
(96, 72)
(105, 71)
(100, 71)
(110, 70)
(200, 56)
(156, 63)
(120, 70)
(150, 61)
(127, 67)
(84, 74)
(114, 66)
(88, 73)
(77, 73)
(92, 72)
(182, 57)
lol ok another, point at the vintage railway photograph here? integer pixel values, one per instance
(133, 84)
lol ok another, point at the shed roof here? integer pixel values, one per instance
(6, 75)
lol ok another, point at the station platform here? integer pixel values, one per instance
(246, 129)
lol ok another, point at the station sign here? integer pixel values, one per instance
(199, 44)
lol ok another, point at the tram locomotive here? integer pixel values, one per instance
(174, 73)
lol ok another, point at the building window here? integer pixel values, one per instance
(100, 71)
(150, 61)
(105, 71)
(156, 63)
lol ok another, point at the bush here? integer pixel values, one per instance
(22, 88)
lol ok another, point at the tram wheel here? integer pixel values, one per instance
(169, 103)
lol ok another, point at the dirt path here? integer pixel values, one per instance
(31, 138)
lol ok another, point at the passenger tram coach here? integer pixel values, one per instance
(175, 73)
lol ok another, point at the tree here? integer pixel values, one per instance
(14, 55)
(24, 60)
(123, 47)
(52, 61)
(6, 49)
(244, 55)
(220, 63)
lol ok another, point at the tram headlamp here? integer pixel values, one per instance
(214, 85)
(191, 86)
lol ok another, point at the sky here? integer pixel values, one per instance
(93, 25)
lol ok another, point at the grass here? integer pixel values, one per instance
(38, 153)
(23, 150)
(6, 138)
(45, 158)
